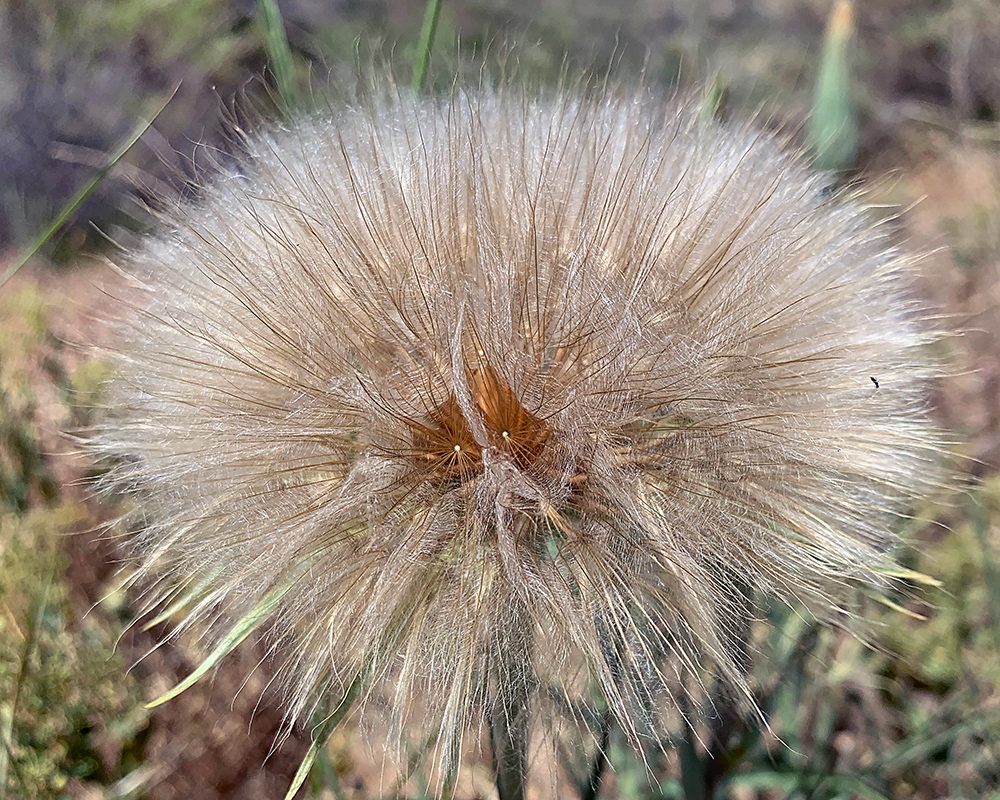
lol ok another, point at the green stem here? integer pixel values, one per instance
(279, 54)
(693, 773)
(427, 31)
(600, 762)
(509, 727)
(981, 525)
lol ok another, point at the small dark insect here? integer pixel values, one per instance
(875, 382)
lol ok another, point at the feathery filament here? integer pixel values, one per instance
(517, 392)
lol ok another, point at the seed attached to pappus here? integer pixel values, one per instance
(445, 443)
(491, 398)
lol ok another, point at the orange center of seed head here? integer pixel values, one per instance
(445, 444)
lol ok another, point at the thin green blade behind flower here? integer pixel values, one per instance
(279, 54)
(427, 31)
(183, 600)
(325, 729)
(77, 200)
(833, 128)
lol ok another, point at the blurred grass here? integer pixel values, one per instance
(68, 709)
(71, 711)
(24, 477)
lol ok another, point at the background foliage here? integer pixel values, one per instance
(917, 715)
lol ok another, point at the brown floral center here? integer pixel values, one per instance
(444, 443)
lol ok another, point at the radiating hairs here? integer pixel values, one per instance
(516, 392)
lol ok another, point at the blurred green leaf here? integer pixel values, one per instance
(833, 128)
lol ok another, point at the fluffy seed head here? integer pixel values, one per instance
(499, 390)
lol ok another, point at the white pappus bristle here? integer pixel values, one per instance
(516, 389)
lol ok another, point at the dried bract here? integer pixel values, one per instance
(494, 395)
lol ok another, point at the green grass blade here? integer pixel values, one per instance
(449, 784)
(918, 748)
(240, 631)
(77, 200)
(713, 98)
(325, 776)
(786, 782)
(183, 600)
(305, 767)
(833, 128)
(324, 731)
(764, 781)
(279, 54)
(423, 55)
(852, 786)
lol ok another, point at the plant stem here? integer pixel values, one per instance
(728, 720)
(692, 765)
(279, 54)
(427, 31)
(509, 727)
(600, 763)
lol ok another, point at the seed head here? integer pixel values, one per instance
(491, 391)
